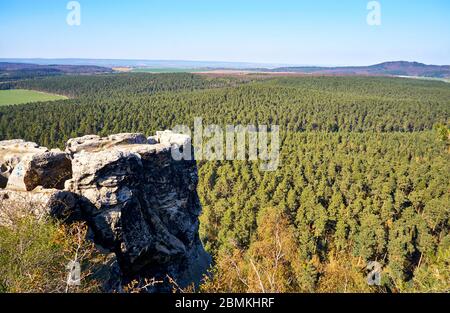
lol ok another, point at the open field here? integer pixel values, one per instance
(20, 96)
(123, 69)
(166, 70)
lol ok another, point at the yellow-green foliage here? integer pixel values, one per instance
(345, 199)
(34, 255)
(26, 96)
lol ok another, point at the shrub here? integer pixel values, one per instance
(34, 254)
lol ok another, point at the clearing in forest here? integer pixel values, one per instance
(20, 96)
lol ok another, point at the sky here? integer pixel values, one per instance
(313, 32)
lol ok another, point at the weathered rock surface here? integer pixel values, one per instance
(92, 143)
(47, 169)
(138, 201)
(11, 153)
(169, 138)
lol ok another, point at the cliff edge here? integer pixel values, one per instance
(139, 203)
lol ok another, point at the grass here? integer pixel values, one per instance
(20, 96)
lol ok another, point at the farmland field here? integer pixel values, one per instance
(166, 70)
(20, 96)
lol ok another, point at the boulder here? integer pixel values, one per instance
(152, 140)
(92, 143)
(48, 169)
(12, 152)
(168, 137)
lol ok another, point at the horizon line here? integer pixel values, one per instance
(277, 64)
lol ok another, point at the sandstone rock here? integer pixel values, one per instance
(146, 209)
(88, 142)
(20, 177)
(152, 140)
(139, 203)
(128, 138)
(19, 145)
(48, 169)
(168, 137)
(92, 143)
(12, 152)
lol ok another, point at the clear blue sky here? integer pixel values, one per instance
(315, 32)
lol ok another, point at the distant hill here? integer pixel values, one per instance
(135, 63)
(14, 71)
(399, 68)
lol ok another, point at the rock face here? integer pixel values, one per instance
(138, 201)
(11, 153)
(48, 169)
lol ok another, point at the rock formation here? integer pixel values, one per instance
(138, 201)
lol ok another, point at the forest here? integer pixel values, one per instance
(364, 174)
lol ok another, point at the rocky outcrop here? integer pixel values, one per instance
(138, 201)
(11, 153)
(92, 143)
(48, 169)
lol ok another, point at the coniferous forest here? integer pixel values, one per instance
(364, 172)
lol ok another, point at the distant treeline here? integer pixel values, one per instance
(19, 71)
(398, 68)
